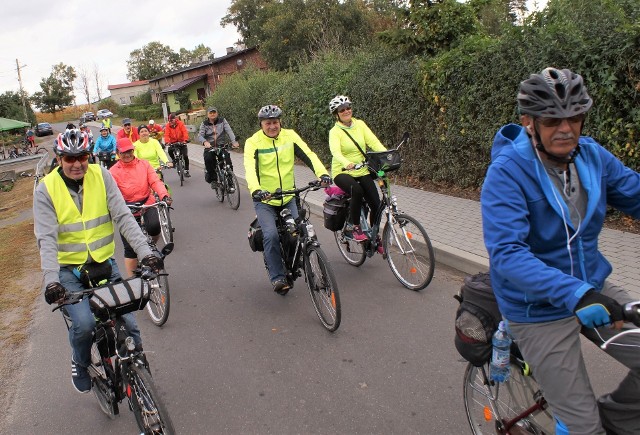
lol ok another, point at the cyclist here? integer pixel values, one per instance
(137, 181)
(74, 234)
(176, 132)
(155, 131)
(31, 137)
(215, 131)
(127, 131)
(149, 149)
(105, 143)
(543, 205)
(106, 122)
(268, 162)
(348, 141)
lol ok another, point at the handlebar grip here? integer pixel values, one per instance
(631, 312)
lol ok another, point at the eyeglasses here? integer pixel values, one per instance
(554, 122)
(82, 158)
(126, 153)
(127, 125)
(344, 109)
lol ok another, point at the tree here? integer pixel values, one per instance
(83, 86)
(98, 81)
(152, 60)
(11, 107)
(57, 89)
(199, 54)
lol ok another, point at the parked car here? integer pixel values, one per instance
(43, 129)
(87, 116)
(104, 113)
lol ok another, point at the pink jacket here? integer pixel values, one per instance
(136, 180)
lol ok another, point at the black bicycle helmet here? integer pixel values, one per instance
(72, 143)
(554, 93)
(269, 112)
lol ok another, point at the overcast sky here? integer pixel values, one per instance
(81, 34)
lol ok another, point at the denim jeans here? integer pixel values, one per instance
(267, 218)
(83, 321)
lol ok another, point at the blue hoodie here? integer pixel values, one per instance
(525, 222)
(105, 144)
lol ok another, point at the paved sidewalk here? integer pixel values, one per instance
(455, 228)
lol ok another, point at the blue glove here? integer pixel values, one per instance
(595, 310)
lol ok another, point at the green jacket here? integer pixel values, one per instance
(344, 151)
(268, 162)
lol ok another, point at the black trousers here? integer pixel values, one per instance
(211, 160)
(359, 187)
(151, 224)
(185, 152)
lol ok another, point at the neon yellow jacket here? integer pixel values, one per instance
(82, 234)
(268, 162)
(151, 151)
(344, 151)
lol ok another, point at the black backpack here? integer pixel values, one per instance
(477, 319)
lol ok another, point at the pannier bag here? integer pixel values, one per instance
(335, 210)
(386, 161)
(121, 297)
(477, 319)
(255, 236)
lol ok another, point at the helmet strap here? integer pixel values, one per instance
(537, 142)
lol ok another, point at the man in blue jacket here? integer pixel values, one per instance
(543, 206)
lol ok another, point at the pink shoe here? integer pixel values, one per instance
(380, 248)
(358, 235)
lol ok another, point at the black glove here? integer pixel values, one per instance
(54, 292)
(155, 263)
(325, 179)
(168, 200)
(595, 310)
(260, 195)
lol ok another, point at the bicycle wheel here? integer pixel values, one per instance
(101, 385)
(233, 197)
(159, 302)
(490, 404)
(165, 225)
(409, 251)
(42, 150)
(322, 287)
(351, 250)
(180, 169)
(220, 190)
(151, 415)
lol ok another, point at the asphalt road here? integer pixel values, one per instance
(234, 357)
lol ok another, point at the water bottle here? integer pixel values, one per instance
(500, 367)
(289, 221)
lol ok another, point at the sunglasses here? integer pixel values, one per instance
(126, 125)
(82, 158)
(344, 109)
(554, 122)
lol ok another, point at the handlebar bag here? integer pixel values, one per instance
(335, 210)
(477, 319)
(386, 161)
(121, 297)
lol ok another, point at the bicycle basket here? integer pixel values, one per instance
(121, 297)
(255, 236)
(386, 161)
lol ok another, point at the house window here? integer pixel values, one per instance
(201, 94)
(122, 100)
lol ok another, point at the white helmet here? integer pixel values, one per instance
(73, 142)
(151, 122)
(338, 101)
(269, 112)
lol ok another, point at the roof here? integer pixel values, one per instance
(183, 84)
(128, 85)
(12, 124)
(204, 63)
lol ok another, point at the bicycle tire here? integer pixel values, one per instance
(180, 169)
(512, 397)
(166, 229)
(221, 189)
(160, 300)
(352, 251)
(151, 414)
(323, 287)
(101, 386)
(409, 251)
(233, 198)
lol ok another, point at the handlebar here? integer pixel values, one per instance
(139, 207)
(631, 312)
(403, 141)
(70, 298)
(278, 194)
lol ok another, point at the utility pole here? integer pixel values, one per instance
(24, 104)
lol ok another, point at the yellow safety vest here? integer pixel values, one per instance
(82, 234)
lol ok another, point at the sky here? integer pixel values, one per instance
(86, 34)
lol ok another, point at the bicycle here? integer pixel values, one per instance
(227, 181)
(117, 369)
(178, 159)
(39, 172)
(301, 254)
(159, 301)
(106, 159)
(405, 243)
(516, 406)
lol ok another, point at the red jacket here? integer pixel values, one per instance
(178, 133)
(136, 180)
(133, 135)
